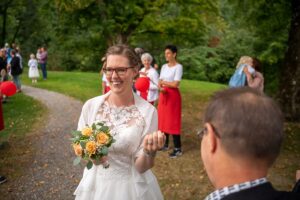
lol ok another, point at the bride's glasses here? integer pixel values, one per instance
(121, 71)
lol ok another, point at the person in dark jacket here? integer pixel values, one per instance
(16, 69)
(241, 139)
(3, 65)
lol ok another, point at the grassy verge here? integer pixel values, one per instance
(20, 113)
(79, 85)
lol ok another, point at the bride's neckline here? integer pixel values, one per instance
(111, 105)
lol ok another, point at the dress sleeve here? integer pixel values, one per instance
(151, 126)
(178, 73)
(83, 119)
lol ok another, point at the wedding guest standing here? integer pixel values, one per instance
(169, 105)
(151, 73)
(16, 69)
(256, 79)
(43, 62)
(132, 122)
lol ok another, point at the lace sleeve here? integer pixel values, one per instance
(151, 126)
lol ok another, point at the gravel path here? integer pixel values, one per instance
(50, 174)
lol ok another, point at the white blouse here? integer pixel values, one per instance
(171, 74)
(153, 89)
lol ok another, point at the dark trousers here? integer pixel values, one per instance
(44, 70)
(176, 140)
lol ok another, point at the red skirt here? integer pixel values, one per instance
(106, 89)
(169, 111)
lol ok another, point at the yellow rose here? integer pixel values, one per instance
(78, 149)
(102, 138)
(90, 147)
(87, 131)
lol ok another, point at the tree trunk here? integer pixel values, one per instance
(3, 34)
(289, 95)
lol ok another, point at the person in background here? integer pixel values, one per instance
(241, 139)
(8, 50)
(38, 55)
(43, 61)
(151, 73)
(169, 105)
(16, 70)
(33, 72)
(3, 65)
(18, 54)
(255, 80)
(105, 84)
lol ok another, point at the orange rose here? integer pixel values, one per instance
(91, 147)
(102, 138)
(87, 131)
(78, 149)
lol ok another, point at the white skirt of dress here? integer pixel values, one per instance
(33, 72)
(93, 187)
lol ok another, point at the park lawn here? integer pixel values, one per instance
(20, 113)
(79, 85)
(182, 178)
(22, 116)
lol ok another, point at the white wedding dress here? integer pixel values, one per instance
(121, 181)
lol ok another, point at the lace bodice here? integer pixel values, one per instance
(126, 125)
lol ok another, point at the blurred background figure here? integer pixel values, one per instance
(169, 105)
(16, 69)
(43, 61)
(149, 72)
(33, 72)
(256, 79)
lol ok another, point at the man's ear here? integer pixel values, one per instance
(212, 139)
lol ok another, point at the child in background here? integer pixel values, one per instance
(33, 69)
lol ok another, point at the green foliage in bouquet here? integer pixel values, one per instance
(91, 143)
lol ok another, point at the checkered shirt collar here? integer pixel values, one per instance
(221, 193)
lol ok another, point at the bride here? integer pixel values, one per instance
(133, 124)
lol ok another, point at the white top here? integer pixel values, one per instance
(32, 63)
(129, 125)
(171, 74)
(104, 79)
(33, 71)
(153, 88)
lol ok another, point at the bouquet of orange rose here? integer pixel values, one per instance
(92, 143)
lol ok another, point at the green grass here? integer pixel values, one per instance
(79, 85)
(20, 113)
(86, 85)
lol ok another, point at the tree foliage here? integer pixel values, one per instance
(211, 35)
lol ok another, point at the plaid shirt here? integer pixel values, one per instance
(221, 193)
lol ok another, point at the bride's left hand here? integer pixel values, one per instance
(153, 142)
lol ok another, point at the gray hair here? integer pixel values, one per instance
(249, 123)
(147, 56)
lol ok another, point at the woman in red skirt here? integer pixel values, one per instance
(169, 106)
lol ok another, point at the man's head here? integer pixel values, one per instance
(241, 124)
